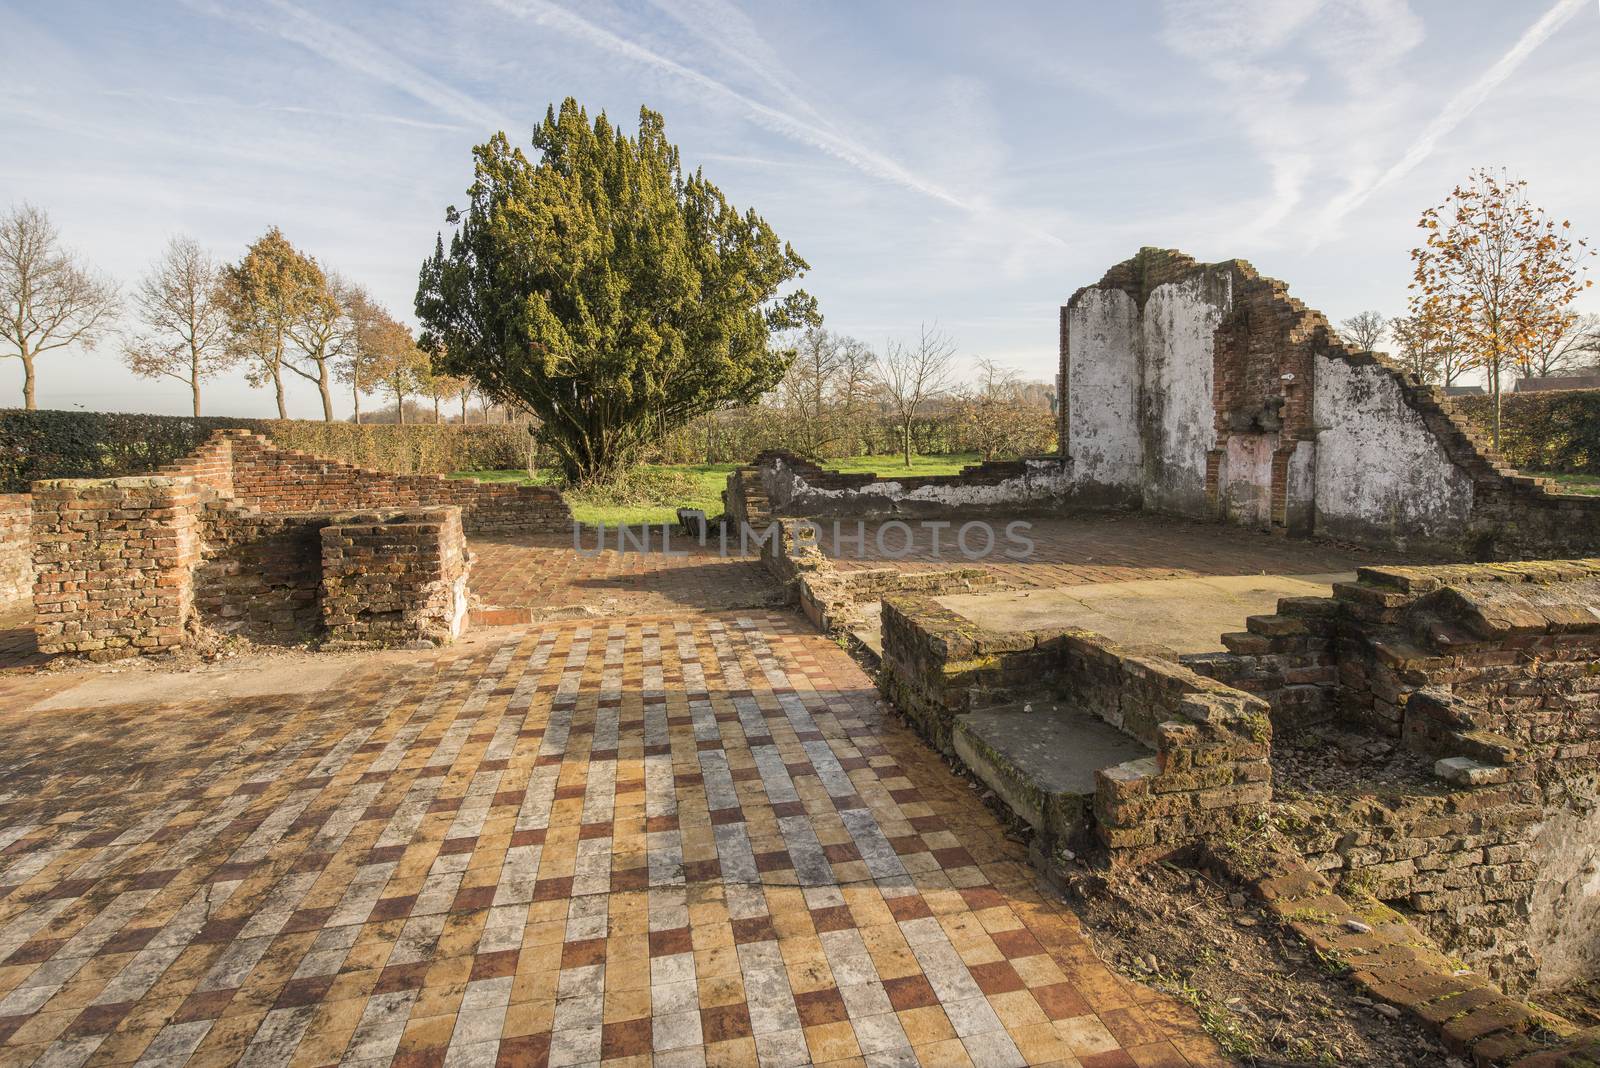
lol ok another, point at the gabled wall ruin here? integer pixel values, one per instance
(1206, 390)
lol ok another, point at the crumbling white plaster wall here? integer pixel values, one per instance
(1379, 469)
(1104, 381)
(1043, 481)
(1245, 482)
(1180, 322)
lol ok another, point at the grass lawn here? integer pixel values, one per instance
(709, 480)
(895, 464)
(1572, 483)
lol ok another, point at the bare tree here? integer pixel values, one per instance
(855, 389)
(47, 299)
(1364, 331)
(1578, 347)
(183, 327)
(807, 389)
(1002, 415)
(909, 376)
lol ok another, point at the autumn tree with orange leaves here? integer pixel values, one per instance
(1496, 275)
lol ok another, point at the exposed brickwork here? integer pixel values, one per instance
(394, 578)
(280, 480)
(114, 561)
(16, 549)
(1265, 351)
(1489, 669)
(261, 573)
(1392, 961)
(1210, 742)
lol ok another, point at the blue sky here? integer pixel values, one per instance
(970, 164)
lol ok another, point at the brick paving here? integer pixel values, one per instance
(18, 648)
(1104, 548)
(677, 840)
(547, 572)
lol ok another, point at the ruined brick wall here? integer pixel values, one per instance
(1209, 743)
(261, 575)
(114, 560)
(16, 549)
(1206, 390)
(394, 578)
(794, 486)
(259, 474)
(210, 466)
(1490, 676)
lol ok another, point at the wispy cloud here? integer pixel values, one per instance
(283, 109)
(1463, 104)
(1310, 82)
(726, 29)
(808, 132)
(359, 54)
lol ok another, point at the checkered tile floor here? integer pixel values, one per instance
(668, 841)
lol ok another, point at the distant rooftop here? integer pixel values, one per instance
(1587, 380)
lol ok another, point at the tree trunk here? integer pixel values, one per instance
(437, 418)
(355, 395)
(325, 387)
(28, 400)
(905, 440)
(463, 407)
(194, 377)
(1494, 385)
(277, 383)
(399, 408)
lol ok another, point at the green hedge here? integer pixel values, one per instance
(1555, 431)
(35, 445)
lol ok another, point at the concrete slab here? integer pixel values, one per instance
(1187, 615)
(1042, 762)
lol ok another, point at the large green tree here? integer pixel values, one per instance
(614, 295)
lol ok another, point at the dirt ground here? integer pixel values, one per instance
(1264, 995)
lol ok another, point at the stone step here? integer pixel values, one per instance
(1041, 760)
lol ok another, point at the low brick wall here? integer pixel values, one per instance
(1210, 741)
(826, 595)
(796, 486)
(1490, 676)
(114, 561)
(394, 578)
(16, 550)
(256, 473)
(261, 575)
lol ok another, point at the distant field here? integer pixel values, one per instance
(708, 482)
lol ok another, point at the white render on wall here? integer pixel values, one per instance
(1179, 322)
(1105, 379)
(1378, 465)
(1142, 419)
(1042, 481)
